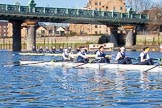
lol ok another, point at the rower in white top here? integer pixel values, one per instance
(101, 56)
(67, 56)
(122, 58)
(82, 56)
(145, 58)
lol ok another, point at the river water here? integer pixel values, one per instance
(60, 87)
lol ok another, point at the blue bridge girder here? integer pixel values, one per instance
(66, 15)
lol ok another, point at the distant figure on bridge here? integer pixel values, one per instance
(82, 56)
(145, 58)
(41, 50)
(53, 50)
(67, 56)
(34, 50)
(101, 56)
(122, 57)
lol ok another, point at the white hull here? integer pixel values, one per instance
(93, 66)
(53, 54)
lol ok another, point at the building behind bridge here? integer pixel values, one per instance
(3, 29)
(42, 30)
(103, 5)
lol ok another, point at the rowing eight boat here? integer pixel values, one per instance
(51, 54)
(92, 65)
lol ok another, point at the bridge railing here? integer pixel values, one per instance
(56, 12)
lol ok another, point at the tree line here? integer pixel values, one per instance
(140, 5)
(153, 8)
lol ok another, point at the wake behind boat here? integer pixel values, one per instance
(156, 68)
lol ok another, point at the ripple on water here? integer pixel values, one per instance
(48, 86)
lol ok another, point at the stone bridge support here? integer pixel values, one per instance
(130, 36)
(31, 34)
(16, 46)
(113, 35)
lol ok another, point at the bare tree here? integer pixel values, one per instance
(157, 3)
(139, 5)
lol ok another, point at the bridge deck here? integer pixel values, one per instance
(66, 15)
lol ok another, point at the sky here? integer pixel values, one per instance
(51, 3)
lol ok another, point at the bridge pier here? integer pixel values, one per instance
(113, 35)
(31, 35)
(129, 39)
(130, 36)
(16, 46)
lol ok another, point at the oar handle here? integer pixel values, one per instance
(85, 63)
(134, 58)
(156, 59)
(159, 59)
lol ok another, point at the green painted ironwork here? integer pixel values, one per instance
(65, 14)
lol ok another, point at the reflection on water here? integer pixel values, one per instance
(49, 86)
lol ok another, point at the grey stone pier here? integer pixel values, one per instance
(113, 35)
(31, 35)
(16, 35)
(31, 29)
(130, 36)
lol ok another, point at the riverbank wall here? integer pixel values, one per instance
(153, 41)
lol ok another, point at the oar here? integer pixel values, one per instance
(10, 64)
(41, 62)
(18, 63)
(79, 65)
(152, 68)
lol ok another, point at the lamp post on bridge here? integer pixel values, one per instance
(32, 5)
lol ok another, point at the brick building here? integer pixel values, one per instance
(3, 29)
(103, 5)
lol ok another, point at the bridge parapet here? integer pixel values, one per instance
(71, 13)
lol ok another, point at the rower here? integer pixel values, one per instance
(101, 56)
(34, 50)
(122, 58)
(145, 58)
(69, 49)
(67, 56)
(41, 49)
(77, 50)
(61, 50)
(47, 49)
(82, 56)
(53, 50)
(86, 49)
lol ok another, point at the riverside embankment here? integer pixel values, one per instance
(153, 41)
